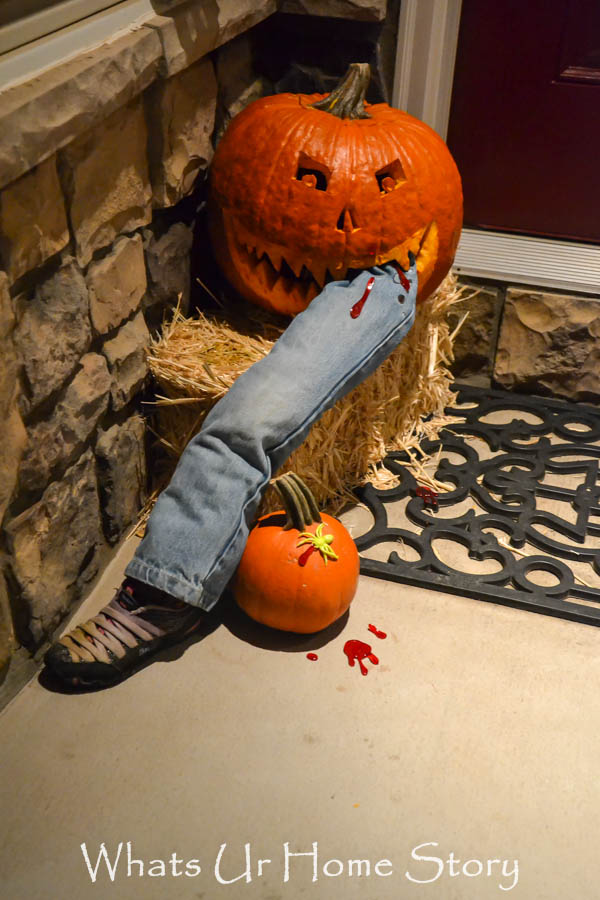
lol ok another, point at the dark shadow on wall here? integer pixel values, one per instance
(309, 54)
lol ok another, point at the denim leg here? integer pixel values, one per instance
(198, 528)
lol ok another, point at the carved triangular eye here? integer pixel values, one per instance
(312, 173)
(390, 176)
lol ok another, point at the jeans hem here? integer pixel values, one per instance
(171, 584)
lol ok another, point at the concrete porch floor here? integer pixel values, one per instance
(478, 731)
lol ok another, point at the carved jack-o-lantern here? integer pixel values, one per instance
(306, 187)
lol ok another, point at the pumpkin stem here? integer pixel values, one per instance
(312, 503)
(298, 502)
(347, 100)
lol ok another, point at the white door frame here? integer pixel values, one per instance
(426, 52)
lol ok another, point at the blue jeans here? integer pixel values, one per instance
(198, 529)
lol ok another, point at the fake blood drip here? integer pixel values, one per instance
(312, 656)
(303, 559)
(428, 496)
(403, 279)
(358, 650)
(376, 632)
(357, 308)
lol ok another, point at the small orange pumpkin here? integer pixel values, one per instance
(305, 187)
(299, 571)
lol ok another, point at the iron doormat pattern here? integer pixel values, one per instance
(506, 490)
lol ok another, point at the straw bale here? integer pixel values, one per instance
(196, 360)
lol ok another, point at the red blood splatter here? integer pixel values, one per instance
(377, 633)
(303, 559)
(403, 279)
(429, 497)
(358, 650)
(357, 308)
(311, 656)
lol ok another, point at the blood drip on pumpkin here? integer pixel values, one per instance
(358, 650)
(303, 559)
(357, 308)
(376, 632)
(312, 656)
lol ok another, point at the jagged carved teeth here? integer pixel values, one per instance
(271, 264)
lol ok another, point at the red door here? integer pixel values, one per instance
(525, 116)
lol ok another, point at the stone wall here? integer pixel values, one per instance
(99, 200)
(529, 340)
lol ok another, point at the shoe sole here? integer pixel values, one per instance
(145, 653)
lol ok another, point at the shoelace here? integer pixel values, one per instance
(115, 629)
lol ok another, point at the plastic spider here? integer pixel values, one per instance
(318, 541)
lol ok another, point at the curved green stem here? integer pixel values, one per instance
(300, 505)
(348, 98)
(313, 509)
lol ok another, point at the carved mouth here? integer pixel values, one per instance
(274, 271)
(271, 268)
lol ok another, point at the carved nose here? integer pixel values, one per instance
(347, 220)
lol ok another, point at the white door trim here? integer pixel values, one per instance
(427, 39)
(426, 53)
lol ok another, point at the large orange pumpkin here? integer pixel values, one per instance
(299, 571)
(305, 187)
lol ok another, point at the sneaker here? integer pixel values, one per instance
(137, 622)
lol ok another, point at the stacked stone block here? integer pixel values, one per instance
(88, 262)
(528, 340)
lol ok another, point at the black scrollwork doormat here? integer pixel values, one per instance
(523, 512)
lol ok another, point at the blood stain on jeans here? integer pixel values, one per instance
(403, 279)
(358, 650)
(357, 308)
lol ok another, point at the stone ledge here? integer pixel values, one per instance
(56, 106)
(363, 10)
(193, 30)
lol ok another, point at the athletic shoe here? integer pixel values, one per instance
(137, 622)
